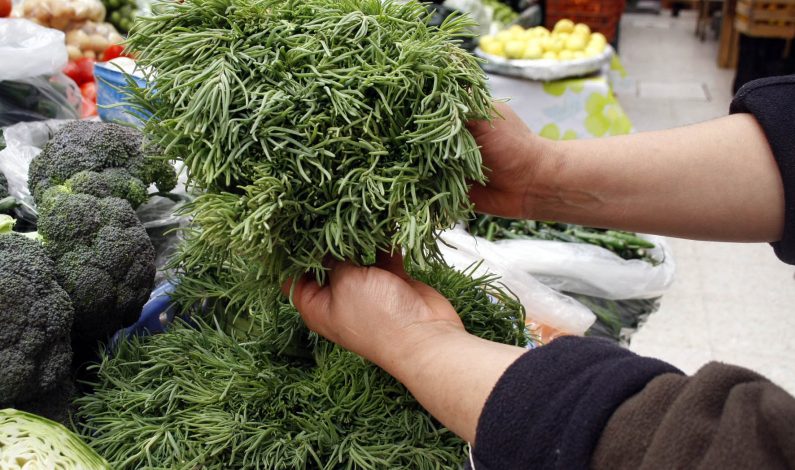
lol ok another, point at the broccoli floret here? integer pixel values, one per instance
(36, 317)
(6, 201)
(113, 182)
(3, 186)
(104, 260)
(96, 146)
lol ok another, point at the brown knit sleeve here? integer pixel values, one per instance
(722, 417)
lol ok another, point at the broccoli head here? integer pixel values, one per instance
(103, 258)
(96, 146)
(112, 182)
(35, 321)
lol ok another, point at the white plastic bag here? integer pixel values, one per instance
(23, 142)
(30, 50)
(591, 270)
(544, 305)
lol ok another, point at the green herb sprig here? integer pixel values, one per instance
(315, 128)
(257, 390)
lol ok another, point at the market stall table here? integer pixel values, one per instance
(574, 108)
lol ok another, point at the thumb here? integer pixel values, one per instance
(312, 301)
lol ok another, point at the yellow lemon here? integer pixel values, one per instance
(565, 55)
(515, 49)
(551, 44)
(504, 36)
(533, 51)
(579, 55)
(550, 55)
(576, 42)
(486, 40)
(493, 48)
(597, 45)
(582, 28)
(516, 29)
(564, 26)
(598, 38)
(541, 31)
(591, 51)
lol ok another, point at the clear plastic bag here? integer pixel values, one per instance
(34, 87)
(29, 50)
(60, 14)
(548, 311)
(39, 98)
(23, 142)
(592, 270)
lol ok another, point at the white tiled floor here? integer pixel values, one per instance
(731, 302)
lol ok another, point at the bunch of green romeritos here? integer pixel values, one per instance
(314, 128)
(254, 389)
(624, 244)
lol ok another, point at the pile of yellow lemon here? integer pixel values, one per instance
(566, 41)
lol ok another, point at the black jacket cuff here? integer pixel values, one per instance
(549, 408)
(772, 103)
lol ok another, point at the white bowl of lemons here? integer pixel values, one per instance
(569, 50)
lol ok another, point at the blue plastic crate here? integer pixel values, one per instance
(111, 97)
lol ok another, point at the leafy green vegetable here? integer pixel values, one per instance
(29, 442)
(315, 127)
(272, 396)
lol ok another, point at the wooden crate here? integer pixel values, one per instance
(601, 15)
(766, 18)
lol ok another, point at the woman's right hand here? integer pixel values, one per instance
(512, 155)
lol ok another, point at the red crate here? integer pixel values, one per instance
(601, 15)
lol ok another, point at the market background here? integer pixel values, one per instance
(729, 302)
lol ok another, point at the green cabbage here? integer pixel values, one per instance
(30, 442)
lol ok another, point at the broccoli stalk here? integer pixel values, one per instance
(36, 317)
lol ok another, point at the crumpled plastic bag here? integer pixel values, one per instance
(32, 86)
(592, 270)
(23, 142)
(29, 50)
(545, 306)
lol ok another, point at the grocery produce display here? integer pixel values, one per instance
(60, 14)
(90, 40)
(120, 13)
(30, 442)
(567, 41)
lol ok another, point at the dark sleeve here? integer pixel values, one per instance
(772, 102)
(549, 408)
(722, 417)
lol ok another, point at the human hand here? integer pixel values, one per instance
(377, 312)
(512, 154)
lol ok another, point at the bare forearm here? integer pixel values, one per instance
(453, 375)
(716, 180)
